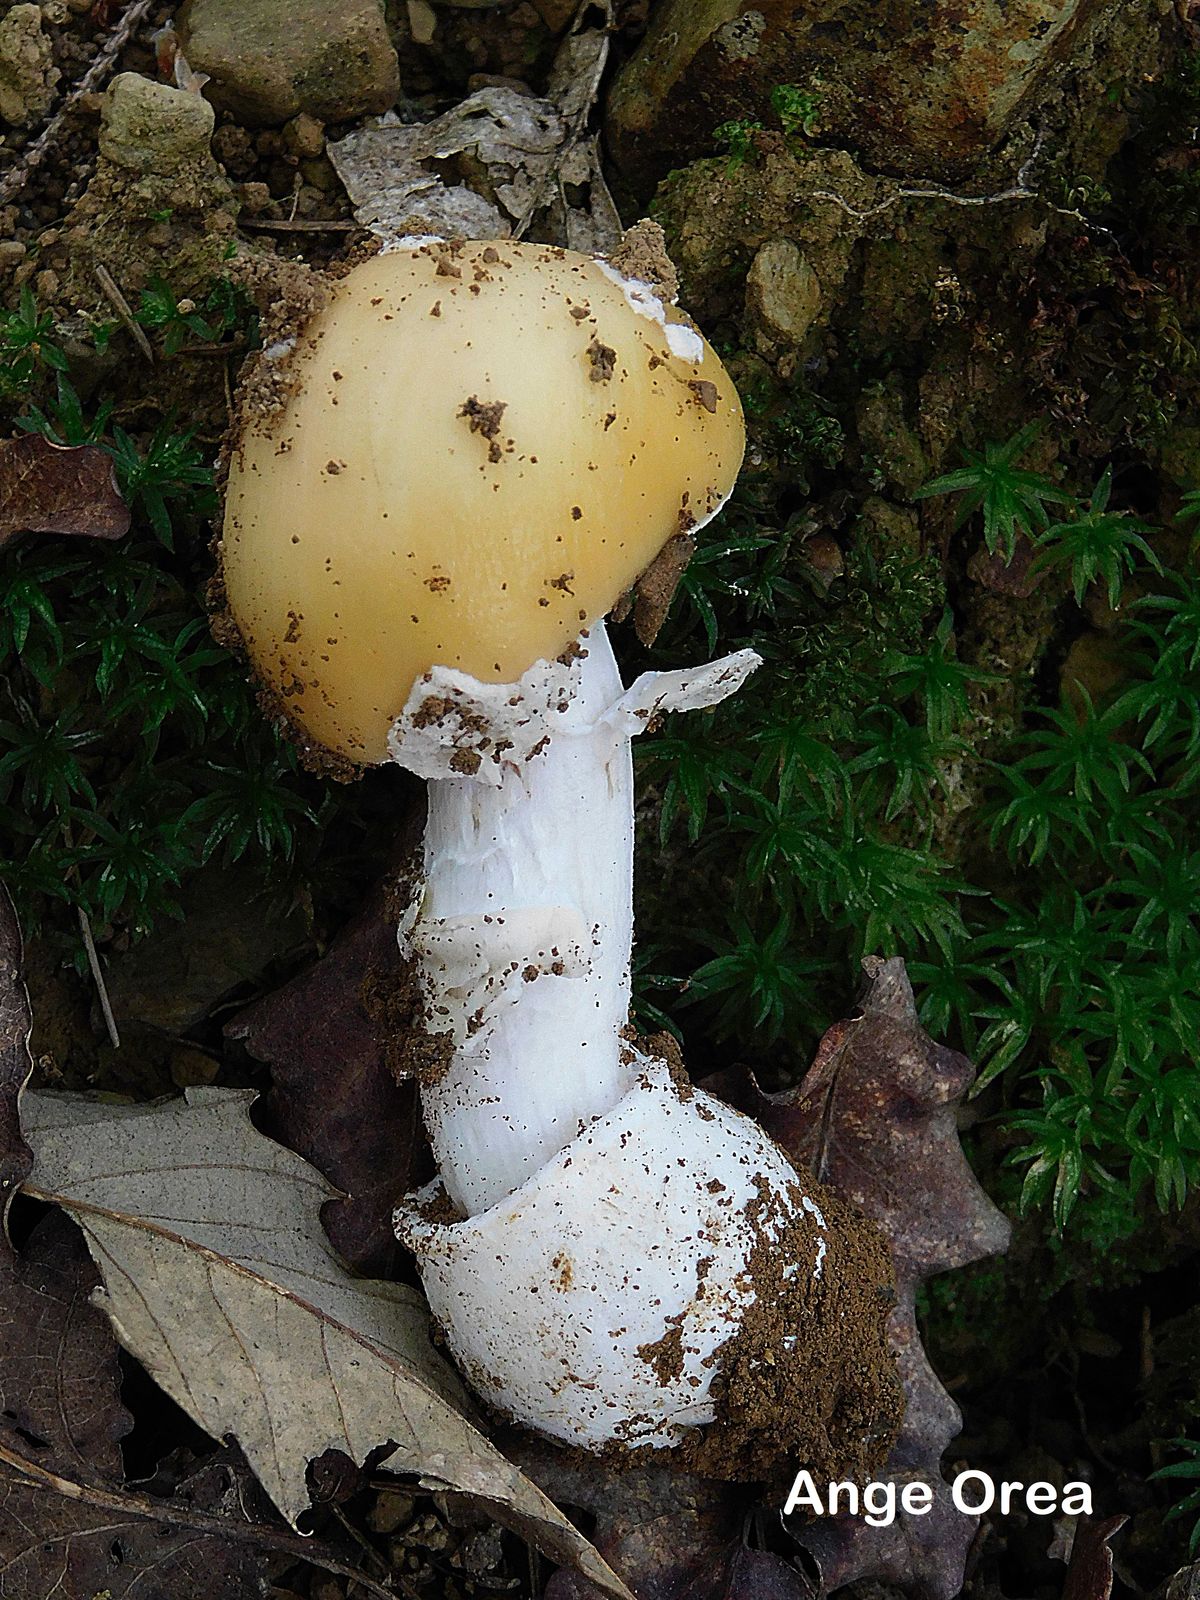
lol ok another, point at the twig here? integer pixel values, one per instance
(89, 944)
(160, 1511)
(121, 306)
(231, 347)
(92, 79)
(300, 225)
(370, 1552)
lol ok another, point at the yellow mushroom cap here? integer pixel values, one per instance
(484, 446)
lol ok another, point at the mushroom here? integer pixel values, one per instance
(476, 450)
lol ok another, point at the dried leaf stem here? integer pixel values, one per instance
(122, 1503)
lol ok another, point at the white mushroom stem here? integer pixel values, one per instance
(619, 1229)
(524, 932)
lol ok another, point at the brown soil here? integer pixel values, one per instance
(808, 1380)
(642, 254)
(396, 1005)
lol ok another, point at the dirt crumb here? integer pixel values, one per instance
(603, 360)
(652, 593)
(483, 417)
(395, 1003)
(642, 254)
(288, 295)
(705, 393)
(665, 1048)
(665, 1355)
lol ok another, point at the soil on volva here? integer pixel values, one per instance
(1063, 1369)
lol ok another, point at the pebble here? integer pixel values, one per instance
(304, 135)
(152, 127)
(269, 61)
(783, 293)
(28, 76)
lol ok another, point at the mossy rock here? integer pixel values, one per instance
(929, 89)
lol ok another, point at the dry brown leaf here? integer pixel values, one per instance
(491, 164)
(66, 1527)
(219, 1278)
(52, 488)
(875, 1120)
(333, 1098)
(1090, 1575)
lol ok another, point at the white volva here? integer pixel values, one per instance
(605, 1211)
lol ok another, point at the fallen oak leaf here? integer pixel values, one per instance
(16, 1063)
(1090, 1575)
(219, 1278)
(874, 1120)
(334, 1098)
(54, 488)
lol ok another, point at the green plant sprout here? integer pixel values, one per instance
(131, 750)
(1011, 500)
(736, 139)
(1187, 1471)
(1095, 545)
(798, 109)
(1058, 946)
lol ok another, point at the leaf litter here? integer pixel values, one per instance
(334, 1095)
(61, 1423)
(219, 1278)
(310, 1359)
(512, 158)
(16, 1025)
(54, 488)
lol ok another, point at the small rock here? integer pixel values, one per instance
(304, 135)
(822, 555)
(390, 1511)
(482, 1552)
(894, 527)
(11, 252)
(556, 14)
(151, 127)
(422, 21)
(191, 1067)
(783, 294)
(255, 198)
(157, 204)
(28, 75)
(270, 60)
(234, 149)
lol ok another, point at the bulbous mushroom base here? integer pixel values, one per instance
(667, 1269)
